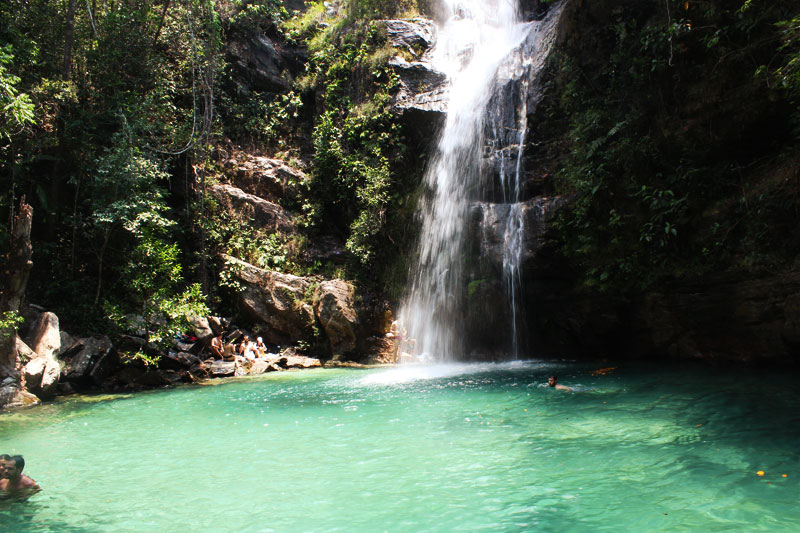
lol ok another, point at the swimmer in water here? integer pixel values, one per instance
(12, 481)
(553, 382)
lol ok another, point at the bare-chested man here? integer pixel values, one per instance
(12, 481)
(553, 382)
(217, 348)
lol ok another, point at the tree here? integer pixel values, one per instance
(16, 269)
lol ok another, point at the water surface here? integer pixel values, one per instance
(439, 448)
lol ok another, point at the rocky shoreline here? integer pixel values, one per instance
(53, 363)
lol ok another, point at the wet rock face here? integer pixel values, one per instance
(422, 87)
(496, 255)
(490, 227)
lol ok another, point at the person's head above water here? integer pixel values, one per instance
(11, 467)
(14, 482)
(552, 381)
(5, 465)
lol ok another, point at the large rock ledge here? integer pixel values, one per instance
(272, 179)
(262, 213)
(275, 300)
(285, 309)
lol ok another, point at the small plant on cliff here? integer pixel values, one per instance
(9, 322)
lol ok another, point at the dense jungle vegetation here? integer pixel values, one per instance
(680, 149)
(683, 141)
(113, 115)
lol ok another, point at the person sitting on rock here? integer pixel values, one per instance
(247, 348)
(12, 481)
(229, 352)
(261, 348)
(217, 348)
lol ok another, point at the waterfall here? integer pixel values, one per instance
(474, 48)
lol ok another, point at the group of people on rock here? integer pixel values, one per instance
(12, 481)
(247, 349)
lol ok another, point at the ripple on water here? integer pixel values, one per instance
(455, 447)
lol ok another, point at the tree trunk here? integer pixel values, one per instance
(69, 36)
(17, 268)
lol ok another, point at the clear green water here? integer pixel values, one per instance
(445, 448)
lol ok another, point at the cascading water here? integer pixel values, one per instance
(476, 38)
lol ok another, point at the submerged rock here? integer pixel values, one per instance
(12, 397)
(291, 360)
(260, 366)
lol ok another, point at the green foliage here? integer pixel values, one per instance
(473, 286)
(256, 15)
(153, 275)
(228, 276)
(9, 322)
(355, 138)
(322, 22)
(271, 251)
(125, 190)
(262, 118)
(17, 108)
(131, 117)
(135, 103)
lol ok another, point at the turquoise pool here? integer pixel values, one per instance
(463, 447)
